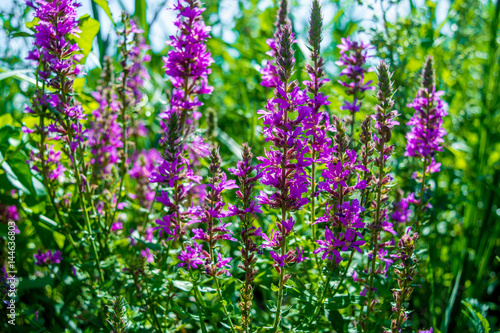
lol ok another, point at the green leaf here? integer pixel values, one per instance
(14, 73)
(337, 321)
(6, 133)
(207, 290)
(341, 302)
(477, 313)
(21, 177)
(18, 74)
(78, 84)
(59, 239)
(89, 28)
(32, 24)
(140, 14)
(104, 5)
(22, 34)
(42, 282)
(49, 222)
(183, 285)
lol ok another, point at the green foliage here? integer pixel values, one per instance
(459, 289)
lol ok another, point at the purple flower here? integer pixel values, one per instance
(58, 58)
(337, 174)
(144, 165)
(426, 331)
(8, 213)
(353, 56)
(148, 255)
(166, 225)
(187, 65)
(105, 135)
(47, 258)
(287, 225)
(222, 263)
(210, 213)
(300, 255)
(349, 214)
(273, 241)
(402, 209)
(433, 166)
(117, 226)
(189, 60)
(191, 257)
(279, 260)
(269, 72)
(426, 133)
(329, 247)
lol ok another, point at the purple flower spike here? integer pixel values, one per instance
(48, 258)
(426, 135)
(148, 255)
(300, 255)
(269, 72)
(191, 257)
(279, 260)
(187, 65)
(353, 56)
(59, 60)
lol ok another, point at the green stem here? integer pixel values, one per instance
(401, 308)
(200, 310)
(327, 289)
(421, 201)
(374, 237)
(155, 317)
(313, 212)
(323, 296)
(224, 308)
(79, 183)
(283, 217)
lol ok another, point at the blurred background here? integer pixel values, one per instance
(461, 283)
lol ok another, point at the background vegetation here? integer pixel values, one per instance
(461, 283)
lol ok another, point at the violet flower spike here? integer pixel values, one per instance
(384, 123)
(353, 57)
(248, 175)
(284, 165)
(47, 258)
(426, 134)
(269, 71)
(187, 65)
(425, 138)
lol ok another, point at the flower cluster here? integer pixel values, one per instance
(104, 134)
(284, 162)
(426, 134)
(379, 259)
(176, 175)
(269, 72)
(58, 59)
(343, 215)
(142, 169)
(8, 213)
(353, 56)
(133, 74)
(212, 212)
(406, 270)
(317, 124)
(245, 212)
(402, 210)
(187, 65)
(47, 258)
